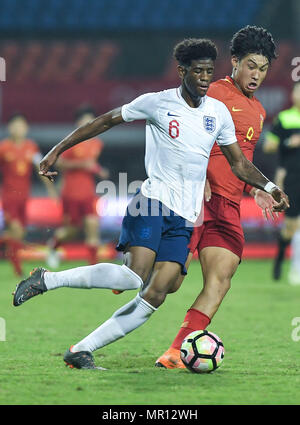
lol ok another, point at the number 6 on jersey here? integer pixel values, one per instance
(174, 129)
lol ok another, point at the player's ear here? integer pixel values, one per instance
(181, 71)
(234, 62)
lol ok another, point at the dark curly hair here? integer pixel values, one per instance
(194, 48)
(253, 39)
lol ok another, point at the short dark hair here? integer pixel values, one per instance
(84, 109)
(253, 39)
(16, 115)
(194, 48)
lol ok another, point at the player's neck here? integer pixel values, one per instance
(192, 101)
(18, 140)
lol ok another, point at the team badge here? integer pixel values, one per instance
(145, 232)
(209, 123)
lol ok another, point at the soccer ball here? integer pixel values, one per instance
(202, 351)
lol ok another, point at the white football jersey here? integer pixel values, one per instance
(179, 139)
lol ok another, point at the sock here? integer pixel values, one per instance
(295, 252)
(194, 320)
(102, 275)
(92, 254)
(12, 254)
(123, 321)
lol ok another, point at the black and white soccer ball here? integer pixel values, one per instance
(202, 351)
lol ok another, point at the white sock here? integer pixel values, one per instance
(123, 321)
(102, 275)
(295, 252)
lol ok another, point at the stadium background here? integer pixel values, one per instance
(62, 53)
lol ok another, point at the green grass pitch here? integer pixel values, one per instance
(261, 364)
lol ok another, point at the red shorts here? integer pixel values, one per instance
(14, 209)
(75, 211)
(221, 227)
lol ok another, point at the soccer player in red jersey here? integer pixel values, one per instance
(219, 241)
(18, 155)
(79, 166)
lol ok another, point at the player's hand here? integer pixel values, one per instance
(46, 163)
(207, 191)
(266, 202)
(281, 198)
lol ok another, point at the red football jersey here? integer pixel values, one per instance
(79, 184)
(248, 116)
(16, 166)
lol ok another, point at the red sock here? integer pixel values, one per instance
(12, 254)
(92, 254)
(194, 320)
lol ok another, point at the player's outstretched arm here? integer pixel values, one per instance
(91, 129)
(247, 172)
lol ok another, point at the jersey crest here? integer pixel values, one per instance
(209, 123)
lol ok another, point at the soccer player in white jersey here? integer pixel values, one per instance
(181, 127)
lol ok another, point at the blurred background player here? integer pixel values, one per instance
(284, 138)
(18, 156)
(79, 166)
(220, 240)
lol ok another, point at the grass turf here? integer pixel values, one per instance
(261, 364)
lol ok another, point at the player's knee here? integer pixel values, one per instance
(218, 288)
(155, 297)
(174, 288)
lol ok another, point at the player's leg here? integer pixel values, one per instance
(170, 261)
(61, 235)
(92, 236)
(141, 233)
(15, 226)
(294, 272)
(13, 240)
(177, 284)
(139, 240)
(65, 233)
(140, 262)
(132, 315)
(290, 226)
(220, 243)
(218, 266)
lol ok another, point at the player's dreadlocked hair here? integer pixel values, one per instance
(252, 39)
(193, 49)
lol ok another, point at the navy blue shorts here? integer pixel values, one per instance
(151, 224)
